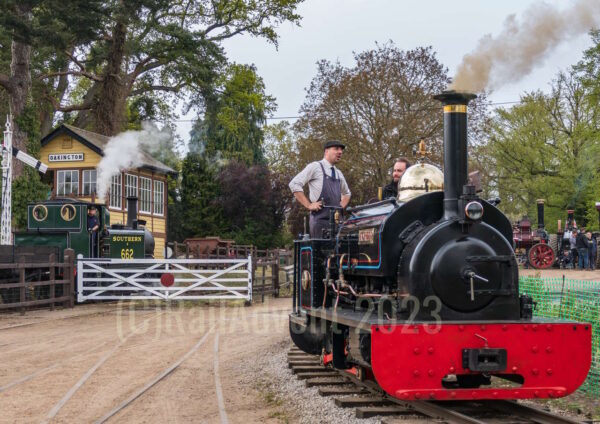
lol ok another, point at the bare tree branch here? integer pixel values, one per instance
(143, 90)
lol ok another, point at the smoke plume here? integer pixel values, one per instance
(124, 151)
(523, 45)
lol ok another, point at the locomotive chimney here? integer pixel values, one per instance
(132, 212)
(570, 219)
(455, 147)
(540, 205)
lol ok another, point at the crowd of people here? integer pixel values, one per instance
(579, 249)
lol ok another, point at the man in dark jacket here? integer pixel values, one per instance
(391, 190)
(582, 244)
(592, 250)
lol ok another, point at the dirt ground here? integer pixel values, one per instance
(574, 274)
(77, 365)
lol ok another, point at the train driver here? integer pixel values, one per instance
(92, 225)
(391, 190)
(326, 186)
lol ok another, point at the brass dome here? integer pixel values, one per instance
(420, 179)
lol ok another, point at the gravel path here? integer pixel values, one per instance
(302, 405)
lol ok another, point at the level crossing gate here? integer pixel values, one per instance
(163, 279)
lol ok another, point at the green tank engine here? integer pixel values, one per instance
(63, 223)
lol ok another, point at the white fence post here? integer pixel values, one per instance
(79, 278)
(250, 278)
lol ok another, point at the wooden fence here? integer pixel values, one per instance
(265, 278)
(35, 277)
(266, 264)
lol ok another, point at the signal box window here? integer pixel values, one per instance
(115, 192)
(68, 183)
(159, 197)
(130, 186)
(145, 194)
(89, 182)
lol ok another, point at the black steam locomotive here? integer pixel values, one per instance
(421, 293)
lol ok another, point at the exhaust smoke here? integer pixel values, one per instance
(124, 151)
(523, 45)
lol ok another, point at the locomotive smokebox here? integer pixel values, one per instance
(455, 147)
(540, 206)
(132, 212)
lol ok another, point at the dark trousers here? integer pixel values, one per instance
(591, 259)
(583, 258)
(93, 244)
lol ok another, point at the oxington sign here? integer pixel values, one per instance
(65, 157)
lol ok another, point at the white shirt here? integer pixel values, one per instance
(313, 175)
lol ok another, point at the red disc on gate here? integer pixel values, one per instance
(167, 280)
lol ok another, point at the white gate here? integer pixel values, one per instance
(167, 279)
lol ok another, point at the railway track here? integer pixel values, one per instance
(368, 400)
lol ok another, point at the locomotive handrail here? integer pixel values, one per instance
(391, 200)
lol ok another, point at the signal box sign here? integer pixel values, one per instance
(65, 157)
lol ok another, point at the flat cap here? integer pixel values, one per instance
(334, 143)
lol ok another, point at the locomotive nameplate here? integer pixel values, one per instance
(366, 236)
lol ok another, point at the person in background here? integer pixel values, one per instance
(592, 250)
(573, 243)
(391, 190)
(582, 243)
(93, 225)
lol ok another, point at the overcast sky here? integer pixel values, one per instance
(334, 29)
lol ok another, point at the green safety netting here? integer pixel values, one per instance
(570, 299)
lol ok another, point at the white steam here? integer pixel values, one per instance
(124, 151)
(523, 45)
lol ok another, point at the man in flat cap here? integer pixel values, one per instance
(326, 186)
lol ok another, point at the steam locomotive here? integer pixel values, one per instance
(62, 223)
(421, 293)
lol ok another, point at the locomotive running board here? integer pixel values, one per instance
(410, 361)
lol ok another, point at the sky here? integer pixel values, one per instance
(334, 29)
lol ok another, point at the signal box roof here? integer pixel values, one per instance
(97, 142)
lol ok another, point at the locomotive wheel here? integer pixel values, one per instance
(541, 256)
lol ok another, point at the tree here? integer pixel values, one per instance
(37, 24)
(200, 215)
(546, 147)
(380, 108)
(235, 115)
(155, 47)
(225, 143)
(253, 205)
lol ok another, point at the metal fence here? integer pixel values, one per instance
(164, 279)
(570, 299)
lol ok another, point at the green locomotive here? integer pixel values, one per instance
(63, 223)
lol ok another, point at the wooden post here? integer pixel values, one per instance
(187, 250)
(69, 274)
(21, 266)
(52, 269)
(175, 249)
(275, 276)
(264, 268)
